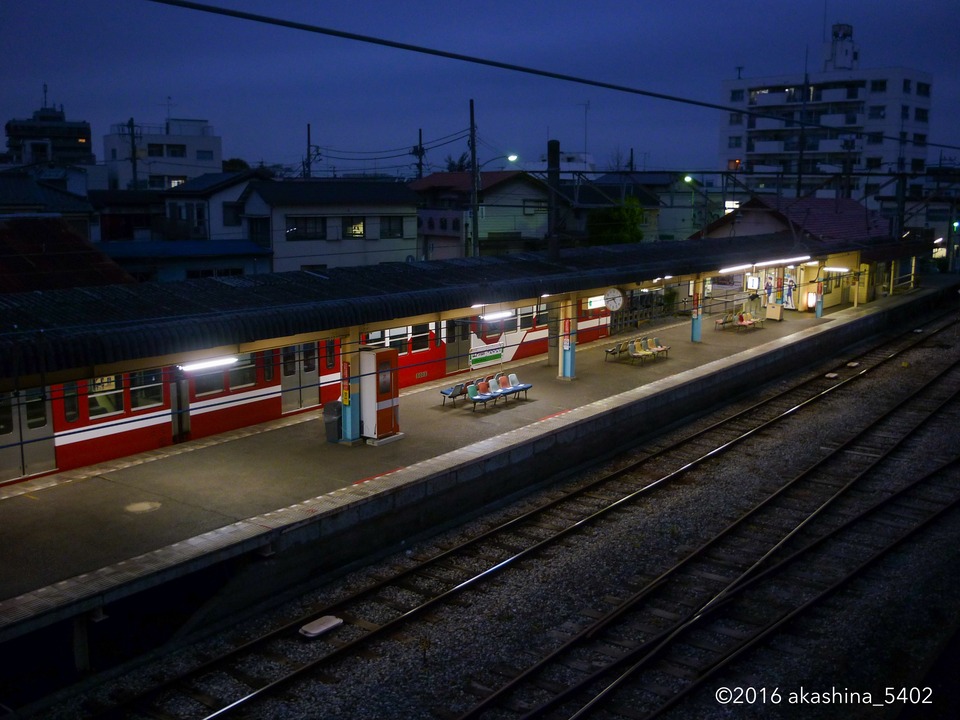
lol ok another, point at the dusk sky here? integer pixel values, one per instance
(259, 86)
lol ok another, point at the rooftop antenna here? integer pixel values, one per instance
(169, 103)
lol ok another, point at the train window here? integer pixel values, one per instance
(526, 316)
(105, 395)
(398, 339)
(207, 383)
(146, 388)
(375, 337)
(310, 357)
(269, 358)
(244, 372)
(289, 361)
(71, 402)
(6, 415)
(36, 406)
(420, 339)
(330, 348)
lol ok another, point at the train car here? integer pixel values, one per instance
(84, 422)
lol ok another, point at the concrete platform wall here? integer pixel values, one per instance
(423, 496)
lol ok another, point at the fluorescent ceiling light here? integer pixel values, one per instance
(207, 364)
(836, 269)
(497, 315)
(733, 269)
(784, 261)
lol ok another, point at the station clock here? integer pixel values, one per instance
(613, 299)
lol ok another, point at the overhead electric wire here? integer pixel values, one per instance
(239, 14)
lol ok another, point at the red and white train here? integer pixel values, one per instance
(75, 424)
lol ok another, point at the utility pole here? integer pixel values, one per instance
(418, 152)
(475, 186)
(307, 170)
(133, 151)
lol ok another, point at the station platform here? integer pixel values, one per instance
(71, 536)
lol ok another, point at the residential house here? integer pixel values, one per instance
(21, 194)
(46, 253)
(191, 231)
(512, 213)
(315, 224)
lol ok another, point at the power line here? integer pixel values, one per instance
(487, 62)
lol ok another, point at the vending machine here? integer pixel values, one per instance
(379, 393)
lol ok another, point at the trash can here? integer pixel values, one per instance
(332, 412)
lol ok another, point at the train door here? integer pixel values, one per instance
(457, 340)
(26, 434)
(299, 377)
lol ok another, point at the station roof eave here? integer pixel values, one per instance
(57, 331)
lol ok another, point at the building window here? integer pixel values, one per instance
(917, 165)
(306, 227)
(736, 95)
(154, 150)
(875, 138)
(878, 86)
(353, 227)
(178, 151)
(734, 141)
(391, 226)
(877, 112)
(873, 163)
(231, 214)
(205, 155)
(105, 395)
(919, 139)
(921, 114)
(534, 207)
(906, 86)
(736, 118)
(157, 182)
(146, 388)
(852, 92)
(923, 89)
(904, 112)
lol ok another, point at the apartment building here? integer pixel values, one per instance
(789, 131)
(159, 157)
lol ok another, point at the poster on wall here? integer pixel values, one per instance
(789, 286)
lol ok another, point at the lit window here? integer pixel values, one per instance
(105, 395)
(353, 227)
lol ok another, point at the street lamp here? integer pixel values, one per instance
(475, 200)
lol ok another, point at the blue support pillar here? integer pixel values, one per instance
(350, 387)
(696, 316)
(568, 339)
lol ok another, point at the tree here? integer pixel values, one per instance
(461, 164)
(235, 165)
(617, 224)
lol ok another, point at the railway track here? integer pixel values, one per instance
(804, 541)
(226, 684)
